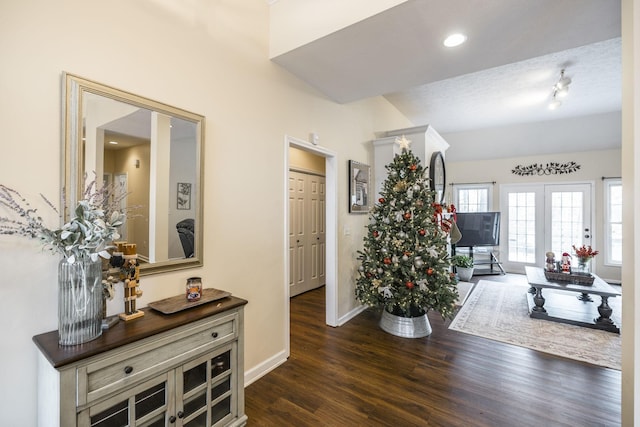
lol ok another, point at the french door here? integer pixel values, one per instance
(541, 218)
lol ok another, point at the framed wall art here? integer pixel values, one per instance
(184, 196)
(359, 187)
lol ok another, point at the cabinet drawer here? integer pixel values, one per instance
(122, 368)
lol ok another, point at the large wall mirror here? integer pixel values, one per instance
(150, 151)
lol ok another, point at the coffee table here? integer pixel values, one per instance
(568, 311)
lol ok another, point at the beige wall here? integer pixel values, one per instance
(206, 57)
(593, 166)
(305, 161)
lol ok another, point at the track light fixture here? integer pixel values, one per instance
(560, 90)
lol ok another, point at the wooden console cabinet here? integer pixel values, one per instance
(183, 369)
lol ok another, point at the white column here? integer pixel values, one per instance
(630, 220)
(159, 187)
(93, 144)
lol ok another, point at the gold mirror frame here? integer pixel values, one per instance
(76, 90)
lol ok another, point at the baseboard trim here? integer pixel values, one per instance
(350, 315)
(264, 368)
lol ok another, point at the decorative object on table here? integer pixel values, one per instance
(81, 241)
(561, 271)
(194, 289)
(359, 178)
(108, 293)
(565, 263)
(550, 262)
(464, 266)
(179, 303)
(183, 201)
(128, 268)
(79, 301)
(584, 254)
(404, 265)
(578, 279)
(551, 168)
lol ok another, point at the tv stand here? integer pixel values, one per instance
(489, 259)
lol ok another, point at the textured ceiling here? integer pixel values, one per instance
(502, 76)
(519, 92)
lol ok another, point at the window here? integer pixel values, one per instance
(472, 197)
(522, 227)
(613, 221)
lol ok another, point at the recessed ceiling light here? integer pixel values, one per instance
(454, 40)
(113, 142)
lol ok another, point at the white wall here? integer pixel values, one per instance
(593, 166)
(298, 22)
(206, 57)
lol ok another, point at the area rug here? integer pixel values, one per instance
(499, 311)
(463, 292)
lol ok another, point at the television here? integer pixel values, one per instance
(478, 228)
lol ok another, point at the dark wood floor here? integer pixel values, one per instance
(358, 375)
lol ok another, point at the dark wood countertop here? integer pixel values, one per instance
(122, 333)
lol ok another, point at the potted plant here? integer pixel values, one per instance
(464, 266)
(404, 267)
(82, 241)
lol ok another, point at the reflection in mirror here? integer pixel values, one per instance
(151, 152)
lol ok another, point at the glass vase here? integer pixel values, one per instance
(79, 301)
(583, 267)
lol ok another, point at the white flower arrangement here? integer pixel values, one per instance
(87, 236)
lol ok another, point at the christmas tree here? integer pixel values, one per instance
(405, 266)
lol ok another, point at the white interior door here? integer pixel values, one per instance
(296, 230)
(541, 218)
(307, 243)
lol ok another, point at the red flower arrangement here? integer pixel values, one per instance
(585, 253)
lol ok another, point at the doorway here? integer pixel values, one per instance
(331, 227)
(544, 217)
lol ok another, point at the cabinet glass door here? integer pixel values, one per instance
(205, 386)
(143, 406)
